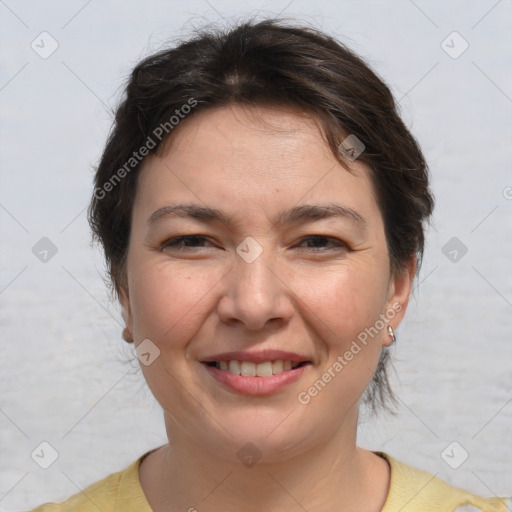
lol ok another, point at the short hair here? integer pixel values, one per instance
(274, 63)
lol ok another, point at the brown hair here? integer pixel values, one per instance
(271, 63)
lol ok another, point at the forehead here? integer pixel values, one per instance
(246, 136)
(252, 158)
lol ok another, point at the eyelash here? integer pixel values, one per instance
(177, 243)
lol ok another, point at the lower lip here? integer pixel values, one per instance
(255, 386)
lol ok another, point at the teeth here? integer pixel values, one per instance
(249, 369)
(277, 367)
(264, 369)
(234, 367)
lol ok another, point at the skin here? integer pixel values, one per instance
(310, 296)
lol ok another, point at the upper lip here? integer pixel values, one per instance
(260, 356)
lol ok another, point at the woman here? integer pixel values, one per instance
(261, 208)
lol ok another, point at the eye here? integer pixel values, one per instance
(315, 243)
(185, 242)
(318, 243)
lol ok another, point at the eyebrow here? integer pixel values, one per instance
(303, 213)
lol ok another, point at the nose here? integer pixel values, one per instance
(256, 294)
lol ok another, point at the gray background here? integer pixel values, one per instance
(63, 377)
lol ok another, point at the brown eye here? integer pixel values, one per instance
(185, 242)
(319, 243)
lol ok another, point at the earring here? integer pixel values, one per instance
(392, 334)
(127, 335)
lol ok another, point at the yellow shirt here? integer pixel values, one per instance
(411, 490)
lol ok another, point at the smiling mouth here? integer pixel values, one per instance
(250, 369)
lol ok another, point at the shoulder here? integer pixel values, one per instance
(420, 490)
(118, 491)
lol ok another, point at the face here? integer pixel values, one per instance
(248, 236)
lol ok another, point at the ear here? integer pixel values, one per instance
(126, 311)
(399, 292)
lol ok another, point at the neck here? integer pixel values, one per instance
(336, 475)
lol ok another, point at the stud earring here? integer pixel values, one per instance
(392, 334)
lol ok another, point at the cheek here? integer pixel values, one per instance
(343, 306)
(168, 301)
(344, 300)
